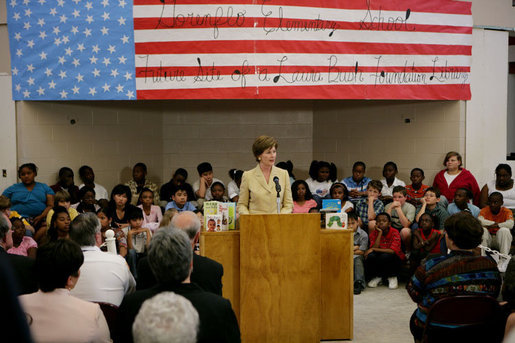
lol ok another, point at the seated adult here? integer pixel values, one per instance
(170, 258)
(206, 273)
(22, 267)
(104, 277)
(66, 183)
(139, 182)
(53, 314)
(31, 199)
(179, 178)
(87, 176)
(459, 273)
(503, 184)
(166, 318)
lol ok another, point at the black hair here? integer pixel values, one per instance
(135, 213)
(30, 166)
(141, 165)
(218, 183)
(288, 166)
(503, 166)
(345, 190)
(84, 190)
(317, 165)
(359, 163)
(181, 171)
(52, 230)
(469, 193)
(400, 189)
(83, 169)
(417, 169)
(181, 187)
(65, 169)
(352, 215)
(496, 194)
(295, 187)
(235, 174)
(434, 190)
(392, 164)
(118, 190)
(56, 262)
(464, 230)
(386, 215)
(204, 167)
(15, 219)
(106, 212)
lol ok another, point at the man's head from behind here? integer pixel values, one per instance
(170, 256)
(463, 230)
(6, 238)
(85, 229)
(188, 222)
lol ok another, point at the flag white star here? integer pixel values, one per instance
(119, 88)
(41, 22)
(114, 72)
(27, 26)
(16, 16)
(62, 74)
(106, 87)
(43, 55)
(26, 93)
(42, 34)
(18, 87)
(30, 81)
(80, 47)
(63, 18)
(121, 21)
(122, 60)
(56, 30)
(13, 3)
(104, 30)
(52, 84)
(125, 39)
(42, 2)
(122, 3)
(30, 68)
(68, 51)
(75, 89)
(79, 78)
(127, 76)
(28, 12)
(76, 1)
(19, 53)
(106, 61)
(105, 3)
(87, 32)
(93, 60)
(76, 62)
(105, 16)
(41, 91)
(96, 72)
(76, 13)
(60, 3)
(130, 94)
(89, 19)
(17, 36)
(95, 48)
(65, 40)
(61, 60)
(89, 6)
(92, 91)
(57, 41)
(64, 94)
(48, 71)
(15, 71)
(75, 30)
(53, 11)
(30, 43)
(111, 48)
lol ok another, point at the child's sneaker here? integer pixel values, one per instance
(374, 282)
(392, 282)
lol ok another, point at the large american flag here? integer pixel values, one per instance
(220, 49)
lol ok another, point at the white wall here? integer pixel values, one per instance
(7, 133)
(486, 118)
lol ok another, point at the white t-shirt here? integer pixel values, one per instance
(100, 192)
(450, 178)
(388, 191)
(508, 195)
(232, 189)
(348, 204)
(208, 196)
(319, 188)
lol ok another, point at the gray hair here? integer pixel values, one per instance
(84, 228)
(188, 222)
(170, 256)
(166, 318)
(4, 227)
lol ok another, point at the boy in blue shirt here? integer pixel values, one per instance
(357, 183)
(462, 203)
(180, 199)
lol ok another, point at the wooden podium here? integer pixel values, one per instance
(288, 280)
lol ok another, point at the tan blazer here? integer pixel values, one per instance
(259, 197)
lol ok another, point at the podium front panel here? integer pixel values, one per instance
(280, 280)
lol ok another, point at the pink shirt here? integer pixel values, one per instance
(304, 208)
(26, 243)
(153, 219)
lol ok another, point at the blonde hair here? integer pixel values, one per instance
(62, 196)
(168, 216)
(263, 143)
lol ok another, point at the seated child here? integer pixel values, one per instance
(62, 198)
(402, 214)
(138, 239)
(426, 240)
(180, 200)
(202, 187)
(383, 259)
(322, 175)
(431, 205)
(416, 190)
(87, 201)
(218, 192)
(5, 211)
(233, 188)
(497, 221)
(389, 181)
(302, 197)
(360, 246)
(139, 182)
(339, 191)
(462, 203)
(368, 208)
(104, 216)
(59, 225)
(357, 183)
(22, 245)
(152, 214)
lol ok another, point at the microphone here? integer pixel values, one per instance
(277, 185)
